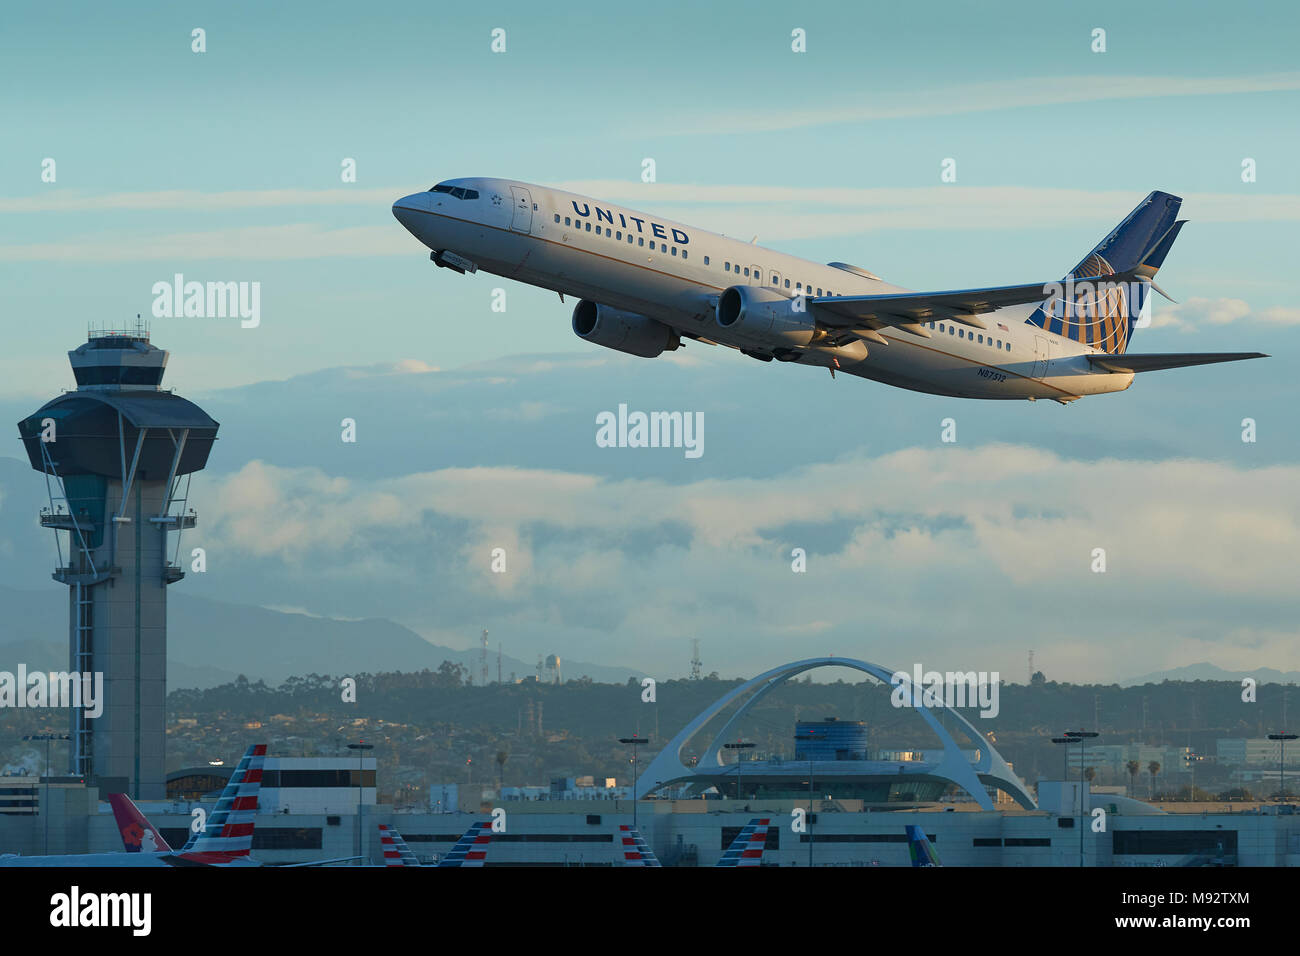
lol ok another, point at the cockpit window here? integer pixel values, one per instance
(456, 192)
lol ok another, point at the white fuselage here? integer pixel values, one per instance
(674, 273)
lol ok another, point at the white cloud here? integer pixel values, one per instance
(68, 200)
(986, 97)
(771, 213)
(964, 535)
(301, 241)
(982, 505)
(1198, 312)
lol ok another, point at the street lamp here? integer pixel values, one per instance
(634, 741)
(1065, 756)
(45, 797)
(360, 747)
(738, 746)
(1081, 736)
(1281, 762)
(1189, 761)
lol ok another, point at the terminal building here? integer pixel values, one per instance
(313, 808)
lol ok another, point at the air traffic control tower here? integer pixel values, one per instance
(117, 454)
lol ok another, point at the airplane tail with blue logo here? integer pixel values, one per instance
(920, 848)
(747, 848)
(1103, 314)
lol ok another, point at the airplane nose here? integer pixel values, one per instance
(408, 210)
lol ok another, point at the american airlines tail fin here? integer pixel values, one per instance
(1103, 314)
(747, 848)
(636, 852)
(138, 834)
(920, 848)
(396, 852)
(229, 828)
(470, 849)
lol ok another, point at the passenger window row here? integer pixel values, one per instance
(963, 333)
(799, 287)
(775, 280)
(661, 247)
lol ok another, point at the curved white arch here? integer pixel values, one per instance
(988, 766)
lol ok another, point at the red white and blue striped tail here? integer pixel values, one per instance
(229, 828)
(471, 849)
(636, 852)
(396, 852)
(747, 848)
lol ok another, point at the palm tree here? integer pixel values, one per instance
(1153, 768)
(1133, 767)
(502, 757)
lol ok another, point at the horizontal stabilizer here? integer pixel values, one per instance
(1129, 362)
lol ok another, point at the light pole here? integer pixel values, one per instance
(360, 747)
(1081, 736)
(1065, 756)
(1281, 762)
(810, 808)
(45, 797)
(738, 746)
(634, 741)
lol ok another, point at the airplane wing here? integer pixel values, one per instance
(291, 866)
(909, 309)
(1129, 362)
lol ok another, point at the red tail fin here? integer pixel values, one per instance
(138, 834)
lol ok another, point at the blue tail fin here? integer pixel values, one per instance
(1103, 314)
(920, 848)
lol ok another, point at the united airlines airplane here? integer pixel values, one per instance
(645, 283)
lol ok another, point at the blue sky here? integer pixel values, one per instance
(225, 166)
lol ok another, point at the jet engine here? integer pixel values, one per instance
(760, 317)
(627, 332)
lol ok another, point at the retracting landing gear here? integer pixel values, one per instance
(449, 260)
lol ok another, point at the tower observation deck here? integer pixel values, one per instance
(117, 454)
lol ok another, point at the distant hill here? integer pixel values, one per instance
(1207, 671)
(211, 642)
